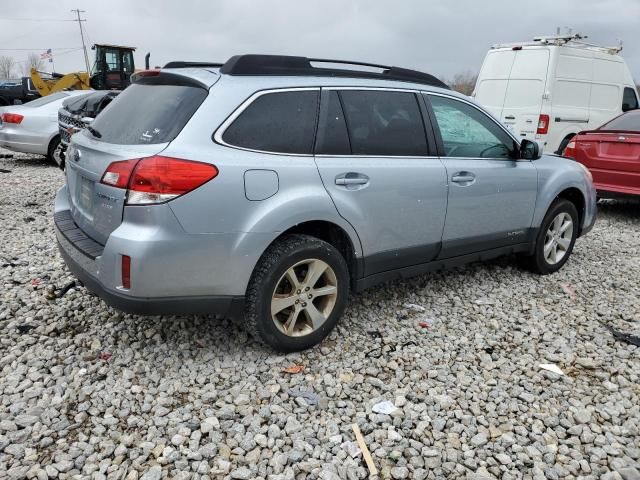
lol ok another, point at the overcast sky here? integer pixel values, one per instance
(441, 37)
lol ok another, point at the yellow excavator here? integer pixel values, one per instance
(111, 71)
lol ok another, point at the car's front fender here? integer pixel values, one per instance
(559, 176)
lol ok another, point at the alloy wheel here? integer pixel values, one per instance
(558, 238)
(304, 297)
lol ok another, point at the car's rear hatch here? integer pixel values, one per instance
(613, 158)
(139, 123)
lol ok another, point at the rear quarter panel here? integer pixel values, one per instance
(221, 205)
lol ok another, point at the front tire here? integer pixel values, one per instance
(297, 293)
(53, 145)
(555, 239)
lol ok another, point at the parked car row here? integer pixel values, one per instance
(268, 187)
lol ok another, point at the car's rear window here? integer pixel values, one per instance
(40, 102)
(147, 114)
(630, 121)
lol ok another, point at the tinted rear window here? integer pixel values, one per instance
(333, 138)
(146, 114)
(384, 123)
(279, 122)
(629, 121)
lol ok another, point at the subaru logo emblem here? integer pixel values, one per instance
(73, 154)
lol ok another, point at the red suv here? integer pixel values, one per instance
(612, 154)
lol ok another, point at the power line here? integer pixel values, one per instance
(37, 20)
(38, 48)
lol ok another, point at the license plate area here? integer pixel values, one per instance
(85, 194)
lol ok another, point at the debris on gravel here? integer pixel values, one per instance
(89, 392)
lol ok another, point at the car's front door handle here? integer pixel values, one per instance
(463, 177)
(351, 178)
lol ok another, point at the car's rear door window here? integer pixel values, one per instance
(148, 114)
(467, 132)
(278, 122)
(629, 99)
(332, 138)
(384, 123)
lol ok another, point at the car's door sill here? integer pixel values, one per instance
(443, 264)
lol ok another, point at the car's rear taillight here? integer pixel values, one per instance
(157, 179)
(118, 173)
(126, 271)
(543, 125)
(570, 150)
(12, 118)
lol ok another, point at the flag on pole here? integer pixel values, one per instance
(47, 55)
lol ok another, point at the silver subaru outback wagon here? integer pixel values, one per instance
(268, 187)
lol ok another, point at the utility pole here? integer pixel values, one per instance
(84, 47)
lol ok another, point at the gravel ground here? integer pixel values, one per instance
(87, 392)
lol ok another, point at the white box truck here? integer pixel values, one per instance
(554, 87)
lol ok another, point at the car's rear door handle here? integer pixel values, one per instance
(509, 117)
(351, 178)
(463, 177)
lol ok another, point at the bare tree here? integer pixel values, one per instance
(6, 67)
(33, 61)
(463, 82)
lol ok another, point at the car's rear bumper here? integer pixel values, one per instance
(23, 143)
(77, 254)
(615, 191)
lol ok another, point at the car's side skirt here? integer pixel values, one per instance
(443, 264)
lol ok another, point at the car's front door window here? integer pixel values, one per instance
(468, 133)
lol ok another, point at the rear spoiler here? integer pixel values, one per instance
(160, 77)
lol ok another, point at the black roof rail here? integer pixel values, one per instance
(302, 66)
(181, 64)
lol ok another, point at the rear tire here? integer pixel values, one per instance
(555, 239)
(297, 293)
(53, 144)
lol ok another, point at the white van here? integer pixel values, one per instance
(550, 89)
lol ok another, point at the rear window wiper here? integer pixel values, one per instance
(94, 132)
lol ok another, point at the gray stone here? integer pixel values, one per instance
(154, 473)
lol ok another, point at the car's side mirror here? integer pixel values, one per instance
(529, 150)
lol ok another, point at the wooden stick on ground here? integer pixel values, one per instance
(365, 451)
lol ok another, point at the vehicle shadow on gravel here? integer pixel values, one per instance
(227, 338)
(626, 208)
(31, 161)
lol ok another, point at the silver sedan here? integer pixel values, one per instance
(33, 127)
